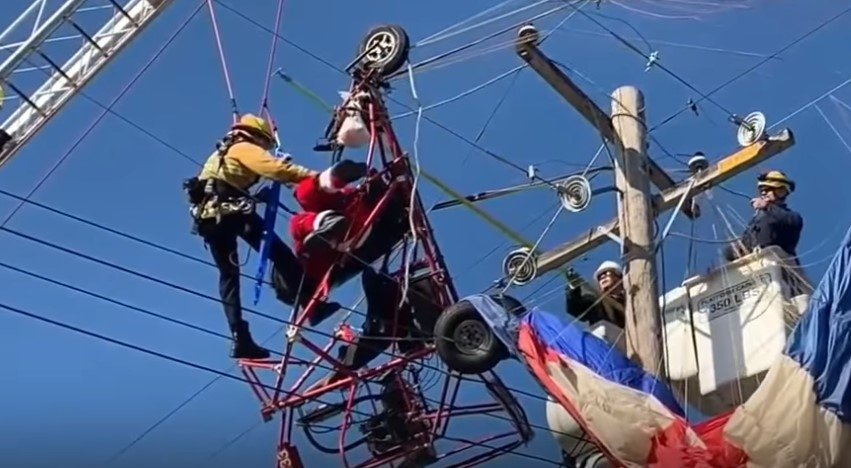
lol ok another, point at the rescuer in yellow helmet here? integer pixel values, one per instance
(223, 209)
(774, 223)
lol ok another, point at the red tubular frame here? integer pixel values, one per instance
(433, 414)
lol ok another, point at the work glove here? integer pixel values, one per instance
(574, 280)
(286, 157)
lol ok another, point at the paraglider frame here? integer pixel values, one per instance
(369, 83)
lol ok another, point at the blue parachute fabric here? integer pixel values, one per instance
(821, 341)
(576, 344)
(503, 324)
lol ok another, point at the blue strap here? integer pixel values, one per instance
(269, 216)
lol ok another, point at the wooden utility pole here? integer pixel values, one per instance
(637, 208)
(670, 192)
(635, 212)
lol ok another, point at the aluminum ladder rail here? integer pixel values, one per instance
(38, 107)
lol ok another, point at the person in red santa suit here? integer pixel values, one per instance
(334, 221)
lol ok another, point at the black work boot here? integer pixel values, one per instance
(349, 171)
(244, 346)
(332, 231)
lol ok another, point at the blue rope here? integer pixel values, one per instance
(273, 195)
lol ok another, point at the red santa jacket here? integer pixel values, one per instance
(321, 196)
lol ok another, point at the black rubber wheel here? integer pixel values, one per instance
(465, 342)
(390, 46)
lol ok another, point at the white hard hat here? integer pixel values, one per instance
(608, 265)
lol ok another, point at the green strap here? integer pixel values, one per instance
(508, 232)
(305, 91)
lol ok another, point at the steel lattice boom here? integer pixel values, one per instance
(33, 75)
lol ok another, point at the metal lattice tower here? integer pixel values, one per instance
(52, 50)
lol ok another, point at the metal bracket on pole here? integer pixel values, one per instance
(683, 199)
(607, 231)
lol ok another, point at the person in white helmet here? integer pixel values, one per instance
(585, 303)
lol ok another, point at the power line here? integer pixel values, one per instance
(662, 67)
(211, 298)
(114, 231)
(109, 110)
(197, 393)
(754, 67)
(177, 360)
(452, 132)
(110, 300)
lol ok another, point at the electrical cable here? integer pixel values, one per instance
(205, 296)
(635, 49)
(753, 67)
(485, 38)
(116, 232)
(444, 34)
(440, 125)
(148, 351)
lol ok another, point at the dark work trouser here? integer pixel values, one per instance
(385, 321)
(221, 238)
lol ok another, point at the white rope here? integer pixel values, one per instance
(434, 37)
(833, 128)
(464, 94)
(432, 40)
(413, 193)
(811, 103)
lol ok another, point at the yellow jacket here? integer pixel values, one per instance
(245, 163)
(242, 166)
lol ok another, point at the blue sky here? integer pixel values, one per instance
(72, 398)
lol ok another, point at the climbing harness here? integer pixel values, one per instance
(215, 198)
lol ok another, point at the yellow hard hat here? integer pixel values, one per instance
(255, 126)
(775, 179)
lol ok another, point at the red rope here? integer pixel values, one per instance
(218, 37)
(264, 100)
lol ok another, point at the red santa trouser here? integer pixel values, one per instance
(318, 196)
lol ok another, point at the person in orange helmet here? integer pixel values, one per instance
(224, 210)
